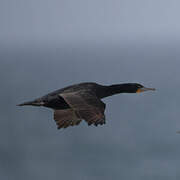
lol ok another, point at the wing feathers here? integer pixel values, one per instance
(84, 105)
(65, 118)
(87, 106)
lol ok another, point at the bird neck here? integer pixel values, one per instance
(114, 89)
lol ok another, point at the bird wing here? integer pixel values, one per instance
(65, 118)
(86, 106)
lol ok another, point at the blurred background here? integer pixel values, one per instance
(46, 45)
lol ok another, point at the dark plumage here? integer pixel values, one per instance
(81, 101)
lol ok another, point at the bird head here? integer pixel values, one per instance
(135, 88)
(138, 88)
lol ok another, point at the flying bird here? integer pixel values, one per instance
(82, 101)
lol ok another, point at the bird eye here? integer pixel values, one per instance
(140, 86)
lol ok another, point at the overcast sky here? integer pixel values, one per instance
(96, 20)
(46, 45)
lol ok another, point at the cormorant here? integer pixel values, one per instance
(82, 101)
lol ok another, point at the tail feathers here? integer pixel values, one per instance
(32, 103)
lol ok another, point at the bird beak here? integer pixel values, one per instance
(145, 89)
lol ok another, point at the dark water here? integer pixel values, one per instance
(139, 140)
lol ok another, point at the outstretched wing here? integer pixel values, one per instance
(65, 118)
(86, 106)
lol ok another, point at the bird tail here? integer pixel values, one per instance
(32, 103)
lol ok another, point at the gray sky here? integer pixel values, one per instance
(139, 140)
(40, 21)
(46, 45)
